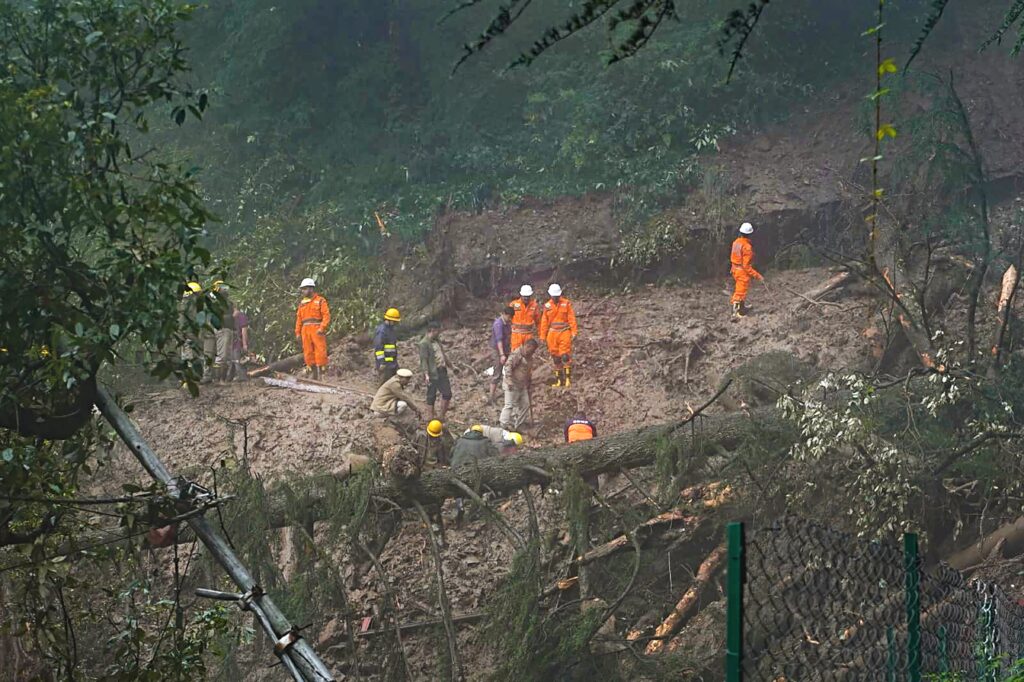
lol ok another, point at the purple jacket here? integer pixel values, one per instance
(501, 336)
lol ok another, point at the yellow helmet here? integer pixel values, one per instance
(393, 315)
(194, 288)
(218, 284)
(435, 428)
(516, 438)
(479, 428)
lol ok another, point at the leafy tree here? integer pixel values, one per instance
(99, 234)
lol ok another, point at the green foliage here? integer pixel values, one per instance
(531, 645)
(98, 236)
(334, 113)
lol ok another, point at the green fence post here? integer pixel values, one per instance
(734, 605)
(943, 650)
(890, 659)
(911, 567)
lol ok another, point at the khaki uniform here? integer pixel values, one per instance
(516, 377)
(389, 395)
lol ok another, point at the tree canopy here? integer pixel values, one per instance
(99, 231)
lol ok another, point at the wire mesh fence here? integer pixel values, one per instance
(806, 602)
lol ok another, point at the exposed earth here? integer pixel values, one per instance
(643, 357)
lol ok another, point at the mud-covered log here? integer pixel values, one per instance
(836, 281)
(608, 454)
(282, 365)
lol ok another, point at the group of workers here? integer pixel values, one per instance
(224, 346)
(515, 336)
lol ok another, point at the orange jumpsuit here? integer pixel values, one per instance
(311, 320)
(741, 256)
(558, 329)
(524, 321)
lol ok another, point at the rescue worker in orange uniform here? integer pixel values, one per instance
(741, 257)
(580, 428)
(558, 330)
(525, 316)
(311, 322)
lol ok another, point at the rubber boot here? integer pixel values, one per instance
(566, 373)
(207, 377)
(558, 379)
(442, 409)
(737, 309)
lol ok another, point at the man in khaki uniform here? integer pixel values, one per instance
(391, 399)
(517, 377)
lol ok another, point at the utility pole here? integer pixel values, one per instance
(295, 653)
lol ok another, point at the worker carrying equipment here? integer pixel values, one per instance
(311, 322)
(740, 258)
(385, 346)
(525, 316)
(558, 330)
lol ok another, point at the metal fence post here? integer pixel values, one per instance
(943, 650)
(734, 604)
(911, 567)
(890, 658)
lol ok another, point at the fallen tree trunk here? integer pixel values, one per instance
(282, 365)
(688, 602)
(836, 281)
(609, 454)
(1009, 537)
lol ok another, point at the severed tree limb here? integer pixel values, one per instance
(1007, 292)
(1010, 536)
(643, 531)
(689, 600)
(282, 365)
(836, 281)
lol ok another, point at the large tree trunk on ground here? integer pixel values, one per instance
(1008, 538)
(282, 365)
(627, 450)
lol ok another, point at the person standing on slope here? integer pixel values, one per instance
(558, 331)
(311, 321)
(501, 347)
(525, 316)
(741, 258)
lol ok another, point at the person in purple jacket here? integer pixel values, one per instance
(501, 346)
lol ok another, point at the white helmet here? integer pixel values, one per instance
(554, 290)
(404, 373)
(308, 282)
(526, 290)
(746, 228)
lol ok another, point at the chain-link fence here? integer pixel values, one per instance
(806, 602)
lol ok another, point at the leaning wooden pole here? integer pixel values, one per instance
(295, 652)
